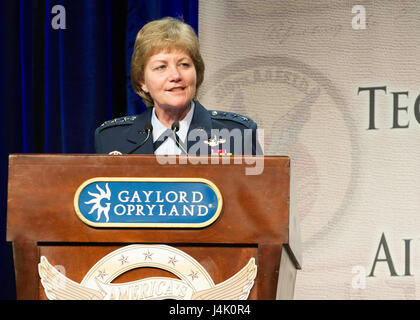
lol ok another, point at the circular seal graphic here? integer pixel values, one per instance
(303, 116)
(162, 257)
(193, 283)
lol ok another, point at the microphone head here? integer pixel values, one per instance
(175, 126)
(148, 127)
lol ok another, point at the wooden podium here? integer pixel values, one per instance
(257, 220)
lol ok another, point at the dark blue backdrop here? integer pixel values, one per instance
(57, 86)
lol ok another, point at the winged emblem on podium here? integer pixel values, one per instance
(192, 282)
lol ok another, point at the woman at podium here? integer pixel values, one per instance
(167, 71)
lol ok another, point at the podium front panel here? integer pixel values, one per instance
(253, 222)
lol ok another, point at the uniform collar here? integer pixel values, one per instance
(184, 124)
(201, 120)
(137, 134)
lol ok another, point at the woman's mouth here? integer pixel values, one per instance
(177, 89)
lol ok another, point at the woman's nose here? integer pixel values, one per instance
(174, 74)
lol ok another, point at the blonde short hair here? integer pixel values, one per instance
(164, 35)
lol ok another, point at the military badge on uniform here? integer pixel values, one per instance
(220, 152)
(212, 142)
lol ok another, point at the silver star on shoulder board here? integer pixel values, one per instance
(212, 142)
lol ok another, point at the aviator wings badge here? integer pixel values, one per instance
(212, 142)
(193, 283)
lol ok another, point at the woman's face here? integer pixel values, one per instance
(170, 78)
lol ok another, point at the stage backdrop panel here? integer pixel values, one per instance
(334, 85)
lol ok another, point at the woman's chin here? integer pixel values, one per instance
(177, 104)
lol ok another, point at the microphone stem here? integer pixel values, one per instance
(141, 144)
(176, 138)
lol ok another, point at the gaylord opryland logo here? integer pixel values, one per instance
(148, 202)
(96, 201)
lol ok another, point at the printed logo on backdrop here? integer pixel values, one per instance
(192, 283)
(148, 202)
(303, 116)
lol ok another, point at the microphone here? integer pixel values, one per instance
(175, 126)
(147, 128)
(175, 129)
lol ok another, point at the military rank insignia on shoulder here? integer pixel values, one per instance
(119, 121)
(225, 115)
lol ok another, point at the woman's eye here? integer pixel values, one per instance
(185, 64)
(161, 67)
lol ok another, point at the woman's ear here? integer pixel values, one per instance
(143, 86)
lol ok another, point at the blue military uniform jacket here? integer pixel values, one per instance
(126, 134)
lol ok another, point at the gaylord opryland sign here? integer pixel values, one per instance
(148, 202)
